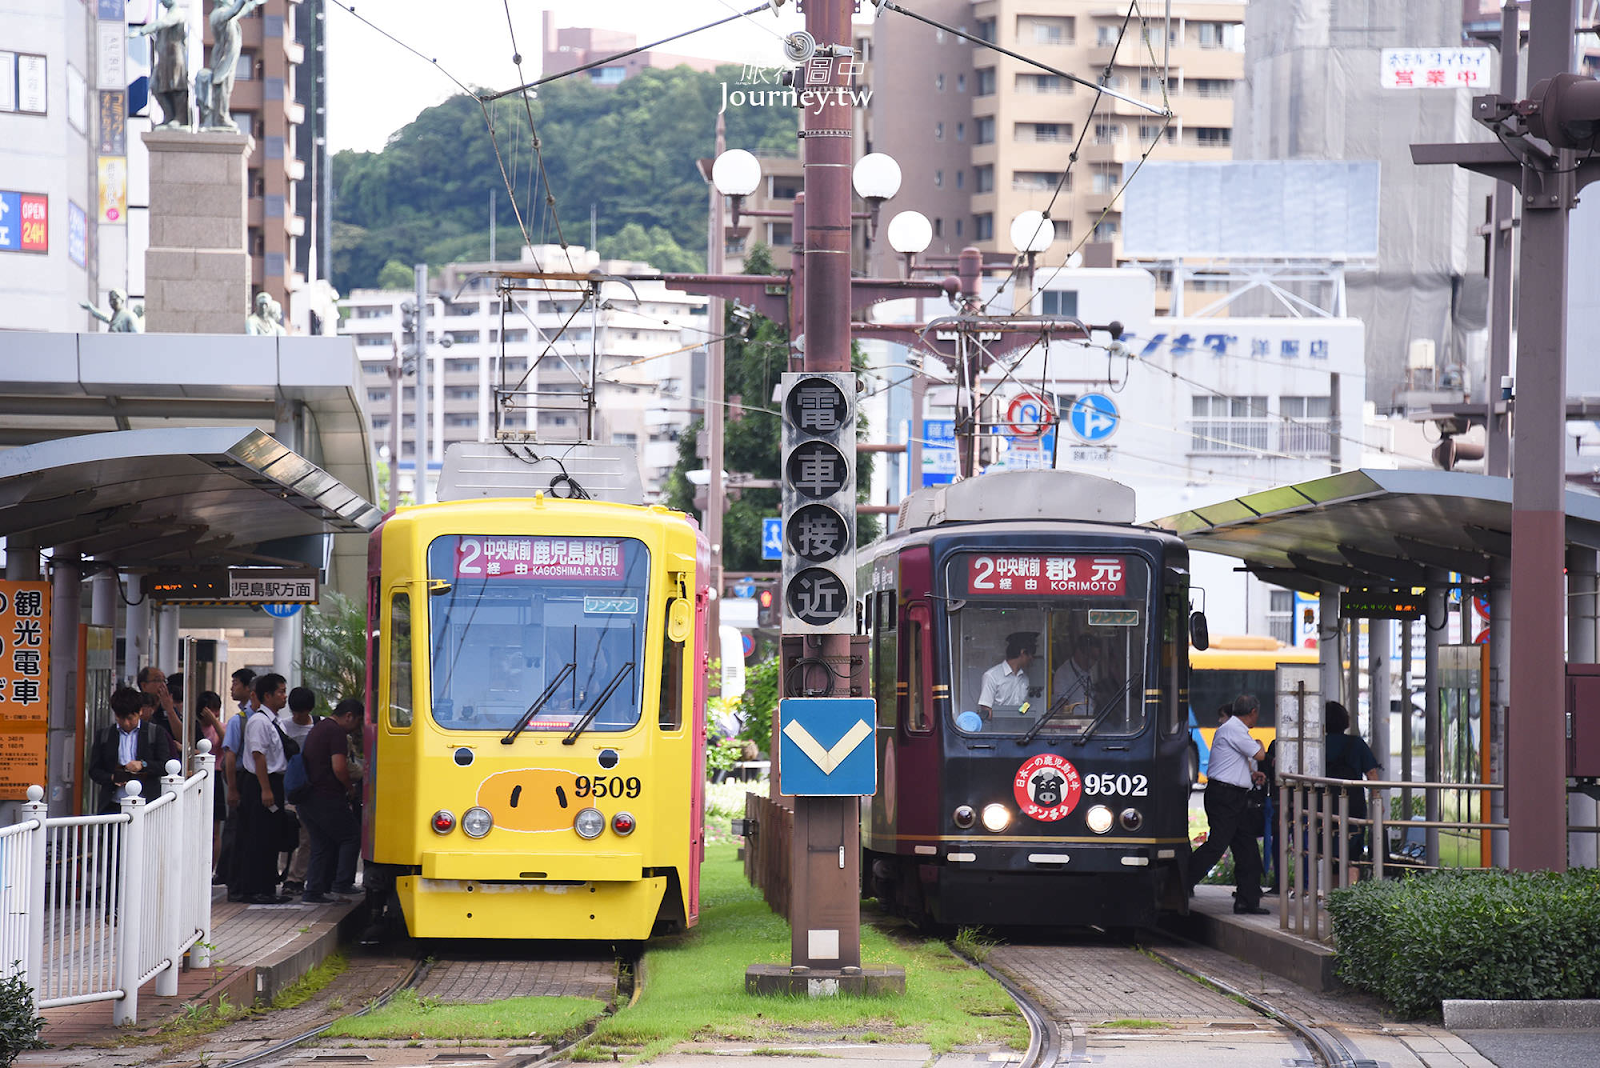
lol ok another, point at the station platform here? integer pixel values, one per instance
(260, 950)
(1256, 940)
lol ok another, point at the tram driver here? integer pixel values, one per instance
(1076, 679)
(1006, 685)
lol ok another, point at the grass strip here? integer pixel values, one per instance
(694, 987)
(409, 1016)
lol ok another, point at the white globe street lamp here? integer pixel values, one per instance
(736, 173)
(1032, 233)
(876, 176)
(910, 233)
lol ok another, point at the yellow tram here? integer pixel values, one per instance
(536, 728)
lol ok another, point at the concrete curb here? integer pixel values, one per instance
(1285, 955)
(1553, 1015)
(278, 971)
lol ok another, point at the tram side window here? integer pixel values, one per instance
(884, 655)
(400, 660)
(671, 717)
(1174, 653)
(918, 720)
(374, 606)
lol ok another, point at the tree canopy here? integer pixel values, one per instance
(752, 437)
(629, 150)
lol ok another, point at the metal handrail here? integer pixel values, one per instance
(1312, 809)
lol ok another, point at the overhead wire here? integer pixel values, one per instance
(533, 133)
(547, 79)
(488, 118)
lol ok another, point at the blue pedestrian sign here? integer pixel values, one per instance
(826, 747)
(280, 611)
(745, 587)
(1094, 417)
(772, 539)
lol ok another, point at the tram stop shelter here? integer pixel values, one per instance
(125, 455)
(1375, 529)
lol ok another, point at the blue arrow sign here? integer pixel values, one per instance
(1094, 417)
(280, 611)
(772, 539)
(826, 747)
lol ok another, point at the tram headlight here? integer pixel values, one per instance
(1099, 819)
(996, 818)
(623, 823)
(964, 817)
(589, 823)
(443, 822)
(476, 822)
(1132, 819)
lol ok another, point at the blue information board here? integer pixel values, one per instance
(826, 747)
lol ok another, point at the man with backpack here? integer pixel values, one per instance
(262, 816)
(296, 723)
(332, 782)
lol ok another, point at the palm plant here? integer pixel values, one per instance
(333, 659)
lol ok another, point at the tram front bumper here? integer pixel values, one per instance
(468, 908)
(529, 866)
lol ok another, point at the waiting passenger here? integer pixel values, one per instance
(1348, 757)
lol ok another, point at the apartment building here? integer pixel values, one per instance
(279, 99)
(524, 364)
(569, 47)
(982, 137)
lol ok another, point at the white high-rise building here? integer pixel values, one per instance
(531, 353)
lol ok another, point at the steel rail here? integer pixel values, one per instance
(1328, 1049)
(417, 972)
(1044, 1038)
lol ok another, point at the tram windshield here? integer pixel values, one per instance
(1048, 643)
(520, 621)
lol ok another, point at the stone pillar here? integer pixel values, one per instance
(66, 700)
(197, 268)
(136, 635)
(167, 639)
(103, 599)
(1583, 585)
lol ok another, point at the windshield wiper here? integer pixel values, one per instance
(538, 703)
(594, 709)
(1094, 724)
(1038, 724)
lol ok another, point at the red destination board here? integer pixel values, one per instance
(1032, 574)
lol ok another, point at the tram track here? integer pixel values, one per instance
(1061, 1037)
(630, 970)
(1329, 1049)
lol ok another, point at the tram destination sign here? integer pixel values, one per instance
(235, 586)
(1380, 604)
(1031, 574)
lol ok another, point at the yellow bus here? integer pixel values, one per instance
(1235, 664)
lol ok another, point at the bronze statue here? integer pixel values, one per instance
(214, 85)
(169, 64)
(123, 319)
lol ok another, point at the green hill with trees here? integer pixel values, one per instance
(629, 150)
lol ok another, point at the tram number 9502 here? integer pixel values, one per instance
(1117, 785)
(606, 786)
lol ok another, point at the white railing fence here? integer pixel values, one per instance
(94, 907)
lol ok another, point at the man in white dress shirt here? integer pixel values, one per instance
(1229, 777)
(1075, 679)
(1006, 684)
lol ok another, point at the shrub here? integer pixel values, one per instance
(760, 701)
(19, 1023)
(1470, 934)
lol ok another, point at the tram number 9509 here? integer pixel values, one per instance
(606, 786)
(1117, 785)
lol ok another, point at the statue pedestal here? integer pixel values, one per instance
(197, 267)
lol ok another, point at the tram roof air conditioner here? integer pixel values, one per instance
(1020, 495)
(515, 468)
